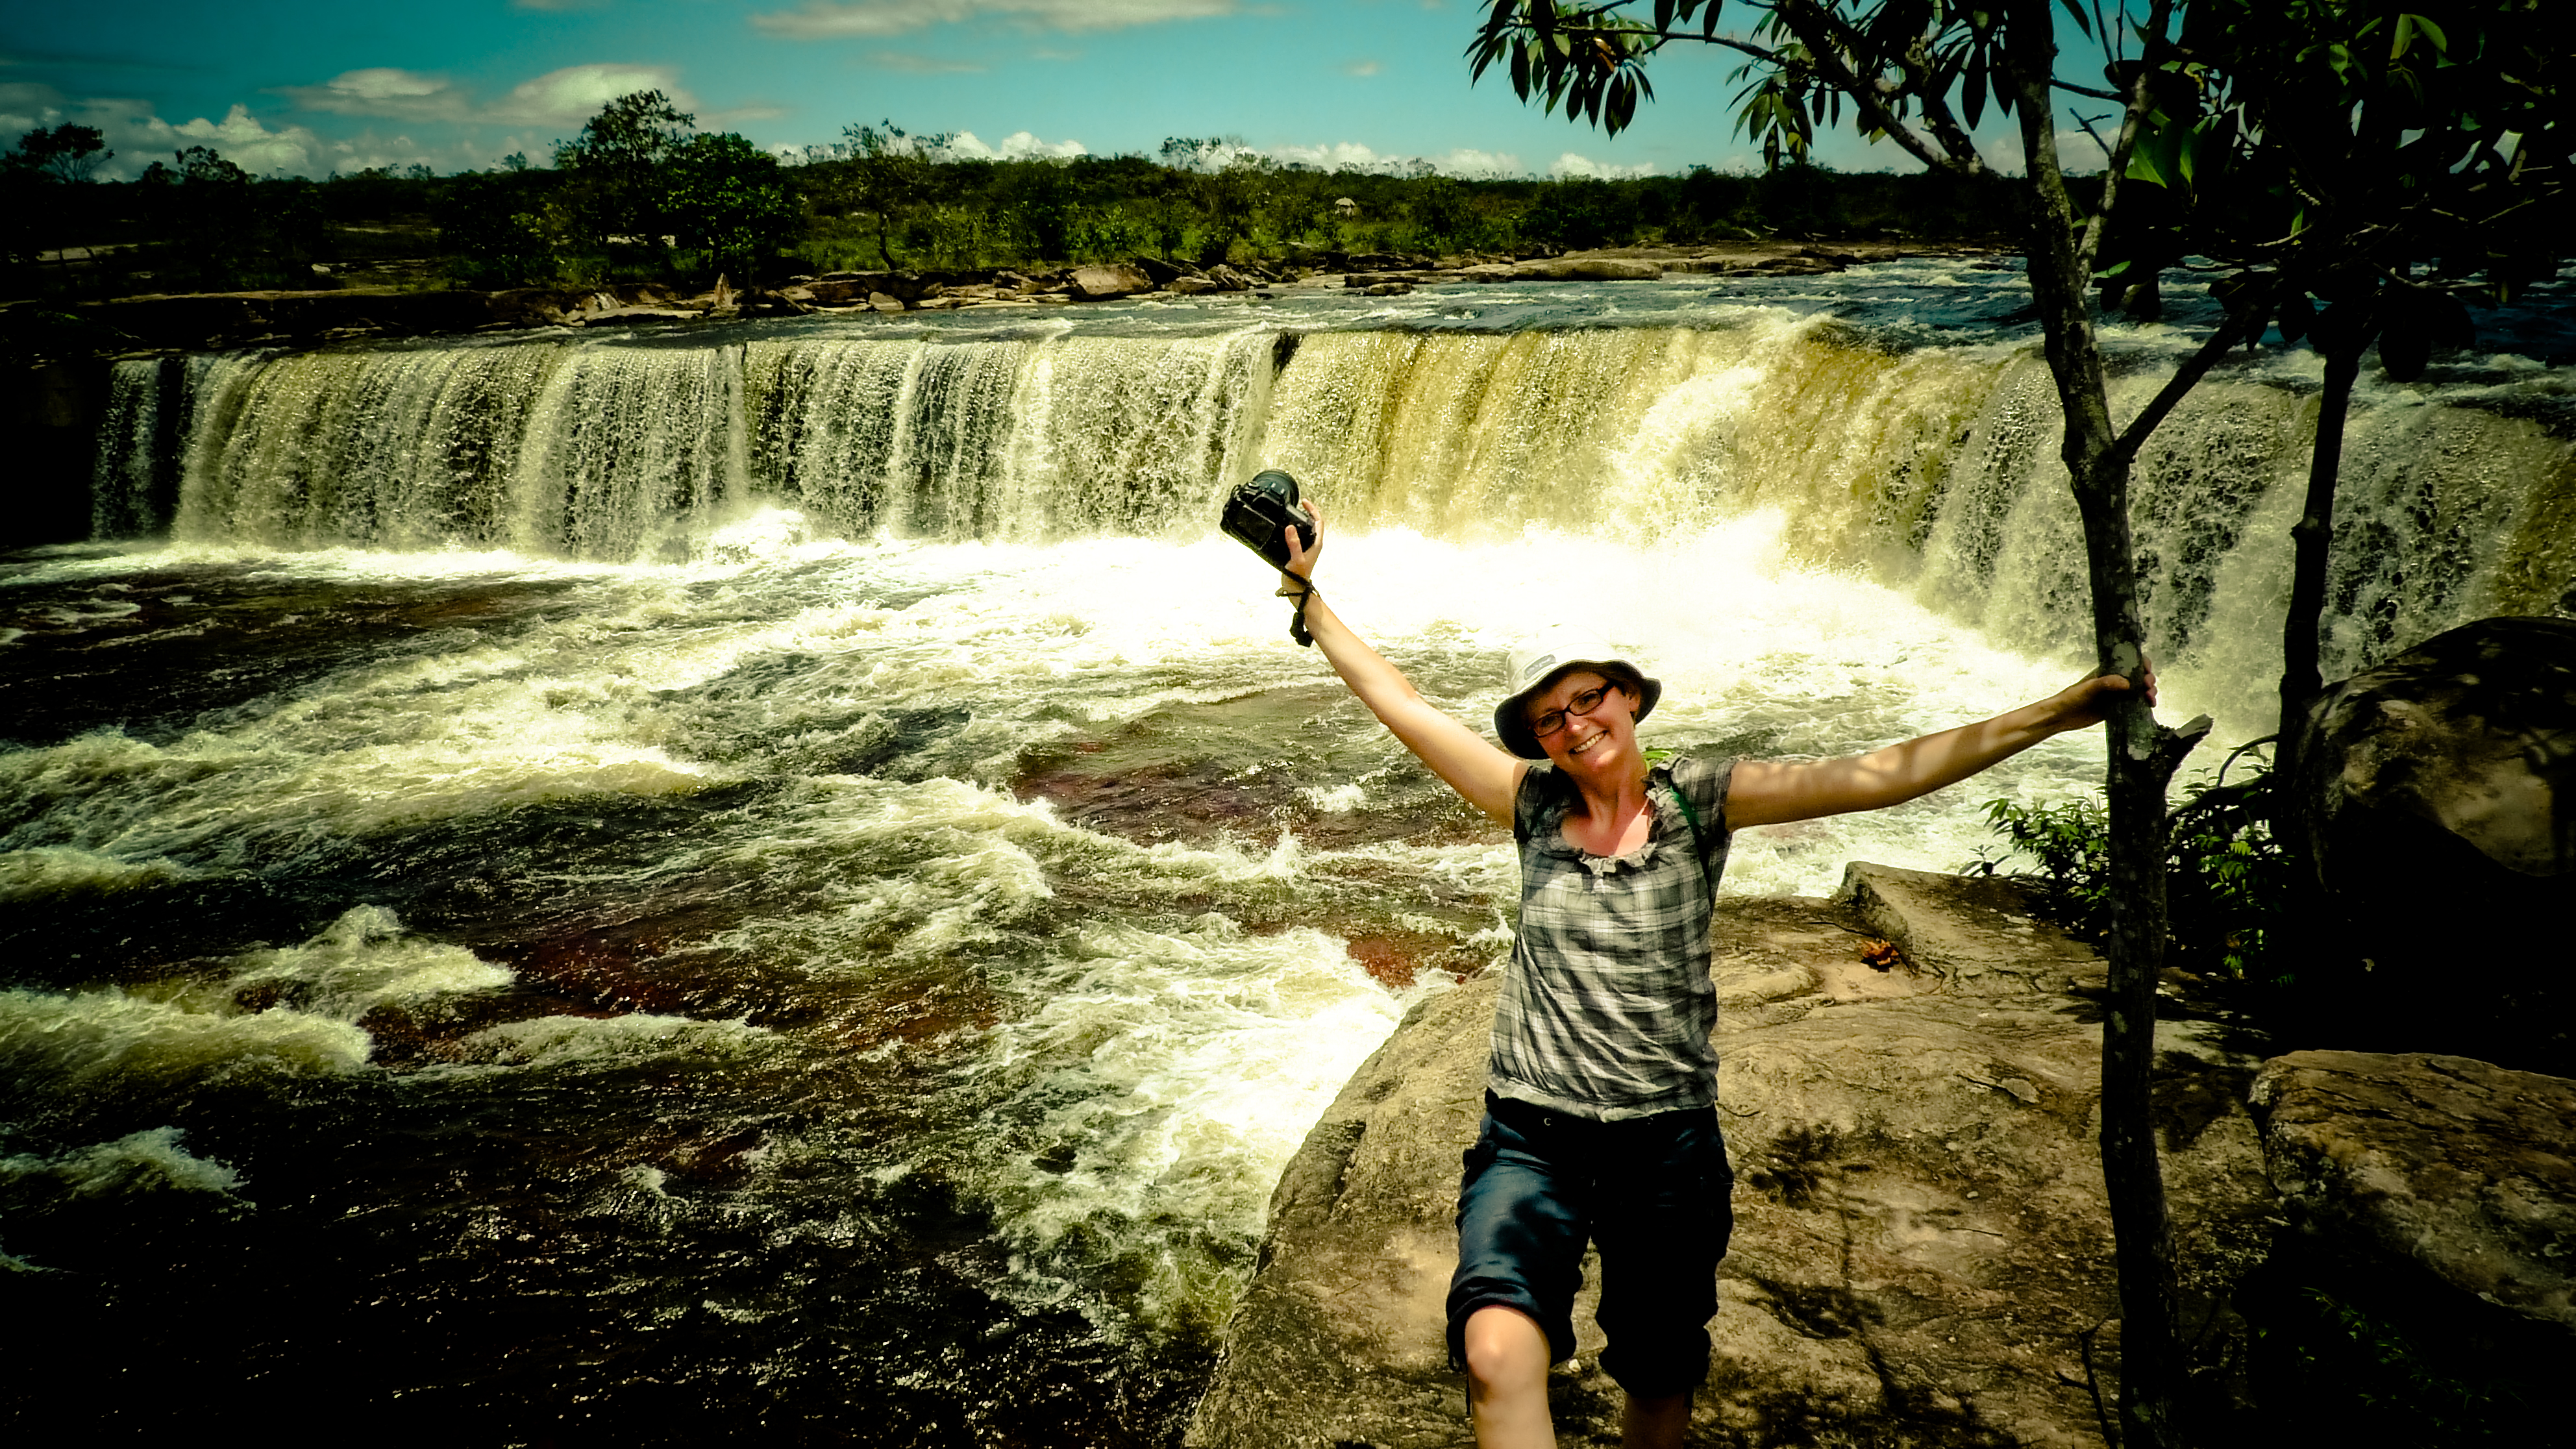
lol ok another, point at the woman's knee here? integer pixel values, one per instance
(1504, 1346)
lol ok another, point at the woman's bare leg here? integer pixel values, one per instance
(1654, 1423)
(1507, 1380)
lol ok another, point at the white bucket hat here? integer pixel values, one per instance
(1538, 659)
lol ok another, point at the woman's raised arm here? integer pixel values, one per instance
(1482, 774)
(1770, 792)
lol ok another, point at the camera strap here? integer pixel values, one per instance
(1297, 620)
(1699, 852)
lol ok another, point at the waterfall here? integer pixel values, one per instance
(1930, 467)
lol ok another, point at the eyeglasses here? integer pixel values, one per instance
(1584, 703)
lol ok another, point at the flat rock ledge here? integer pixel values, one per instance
(1922, 1254)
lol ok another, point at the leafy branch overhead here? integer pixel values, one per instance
(2327, 149)
(1918, 73)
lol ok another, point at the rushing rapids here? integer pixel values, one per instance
(776, 881)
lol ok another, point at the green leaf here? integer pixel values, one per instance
(2432, 33)
(2404, 37)
(2076, 12)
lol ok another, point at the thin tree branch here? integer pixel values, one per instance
(2099, 93)
(2116, 166)
(1828, 43)
(2236, 329)
(2087, 123)
(1663, 37)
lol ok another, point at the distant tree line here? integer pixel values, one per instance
(643, 194)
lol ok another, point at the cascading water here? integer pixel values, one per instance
(779, 883)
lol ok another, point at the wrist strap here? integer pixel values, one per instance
(1292, 587)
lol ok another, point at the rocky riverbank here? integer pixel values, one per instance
(1922, 1253)
(215, 320)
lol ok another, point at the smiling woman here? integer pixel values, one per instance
(1600, 1127)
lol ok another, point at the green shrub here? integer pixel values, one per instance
(2227, 879)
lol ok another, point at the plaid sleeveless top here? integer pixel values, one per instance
(1607, 1006)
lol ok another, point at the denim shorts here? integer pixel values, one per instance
(1650, 1192)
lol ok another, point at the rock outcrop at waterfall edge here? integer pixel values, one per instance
(1922, 1254)
(2440, 789)
(205, 321)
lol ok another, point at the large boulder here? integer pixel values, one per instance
(1922, 1253)
(2439, 789)
(1103, 281)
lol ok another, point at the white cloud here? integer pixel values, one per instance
(1469, 163)
(1336, 156)
(575, 93)
(912, 64)
(1465, 162)
(1017, 146)
(565, 97)
(2076, 152)
(825, 19)
(23, 105)
(384, 91)
(140, 138)
(1571, 165)
(1361, 68)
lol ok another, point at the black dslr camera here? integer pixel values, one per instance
(1261, 508)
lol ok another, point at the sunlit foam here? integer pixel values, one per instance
(143, 1162)
(362, 961)
(581, 1041)
(56, 871)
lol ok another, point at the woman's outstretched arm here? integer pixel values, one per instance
(1482, 774)
(1768, 792)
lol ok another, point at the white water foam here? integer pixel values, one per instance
(148, 1161)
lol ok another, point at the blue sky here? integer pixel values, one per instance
(297, 87)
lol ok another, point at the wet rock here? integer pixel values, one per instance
(884, 302)
(1976, 933)
(1364, 280)
(2437, 787)
(224, 318)
(1192, 286)
(1390, 289)
(1229, 278)
(1922, 1252)
(757, 303)
(526, 307)
(2422, 1166)
(1160, 272)
(1587, 269)
(1105, 281)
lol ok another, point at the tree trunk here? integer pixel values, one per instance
(2142, 758)
(2313, 535)
(2316, 938)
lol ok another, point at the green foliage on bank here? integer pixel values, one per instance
(642, 195)
(2228, 880)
